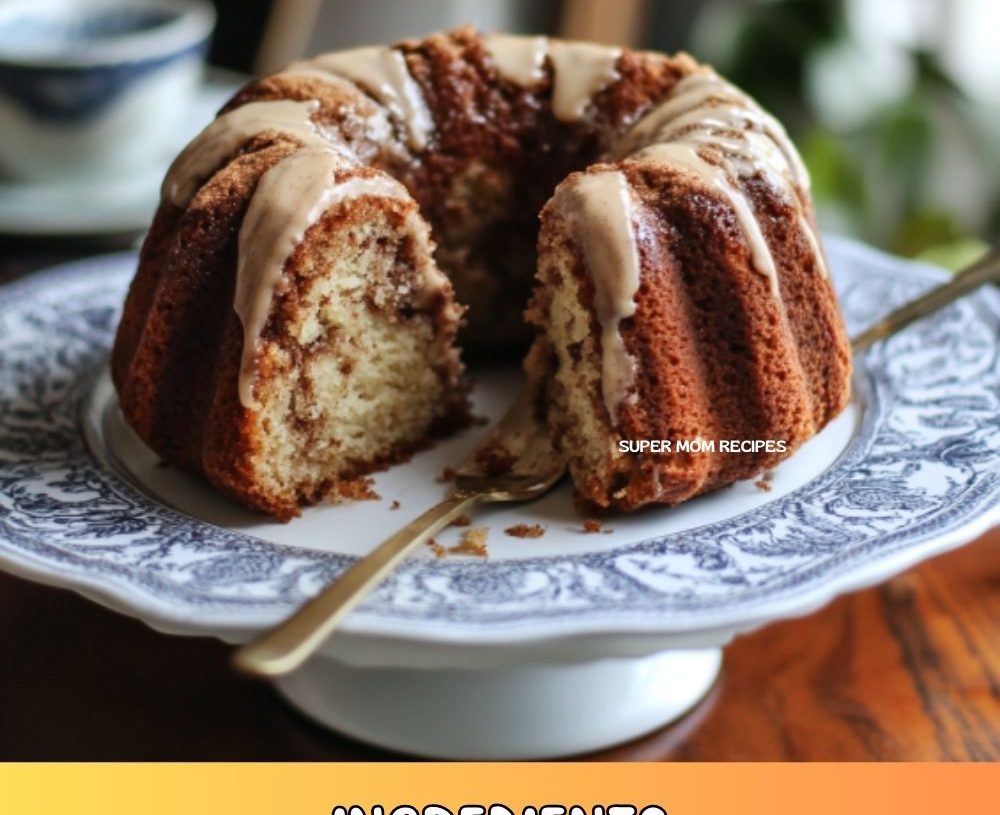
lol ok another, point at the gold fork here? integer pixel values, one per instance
(519, 447)
(984, 270)
(534, 468)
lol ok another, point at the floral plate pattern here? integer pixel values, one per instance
(921, 474)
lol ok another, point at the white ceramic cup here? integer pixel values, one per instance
(95, 87)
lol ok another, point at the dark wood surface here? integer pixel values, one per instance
(906, 671)
(909, 670)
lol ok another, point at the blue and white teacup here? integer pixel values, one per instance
(94, 87)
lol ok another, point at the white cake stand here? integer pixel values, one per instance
(549, 647)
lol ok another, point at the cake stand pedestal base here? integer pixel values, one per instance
(528, 712)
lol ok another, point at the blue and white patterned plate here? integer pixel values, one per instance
(911, 469)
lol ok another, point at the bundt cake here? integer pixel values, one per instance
(325, 244)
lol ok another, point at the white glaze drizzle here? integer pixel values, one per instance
(296, 191)
(706, 127)
(580, 70)
(224, 136)
(600, 213)
(290, 197)
(686, 155)
(711, 129)
(705, 90)
(813, 239)
(384, 74)
(520, 60)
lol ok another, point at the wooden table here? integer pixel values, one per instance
(906, 671)
(909, 670)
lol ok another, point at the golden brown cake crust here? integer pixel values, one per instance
(495, 155)
(720, 356)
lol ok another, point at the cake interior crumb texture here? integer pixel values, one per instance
(348, 384)
(385, 211)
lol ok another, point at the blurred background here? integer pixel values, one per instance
(894, 104)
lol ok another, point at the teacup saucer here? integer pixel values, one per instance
(107, 205)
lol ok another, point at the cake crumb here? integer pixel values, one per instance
(447, 476)
(591, 526)
(357, 489)
(495, 458)
(394, 505)
(525, 531)
(473, 543)
(461, 520)
(764, 482)
(480, 421)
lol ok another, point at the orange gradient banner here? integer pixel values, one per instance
(679, 789)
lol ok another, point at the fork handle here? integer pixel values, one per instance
(283, 649)
(984, 270)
